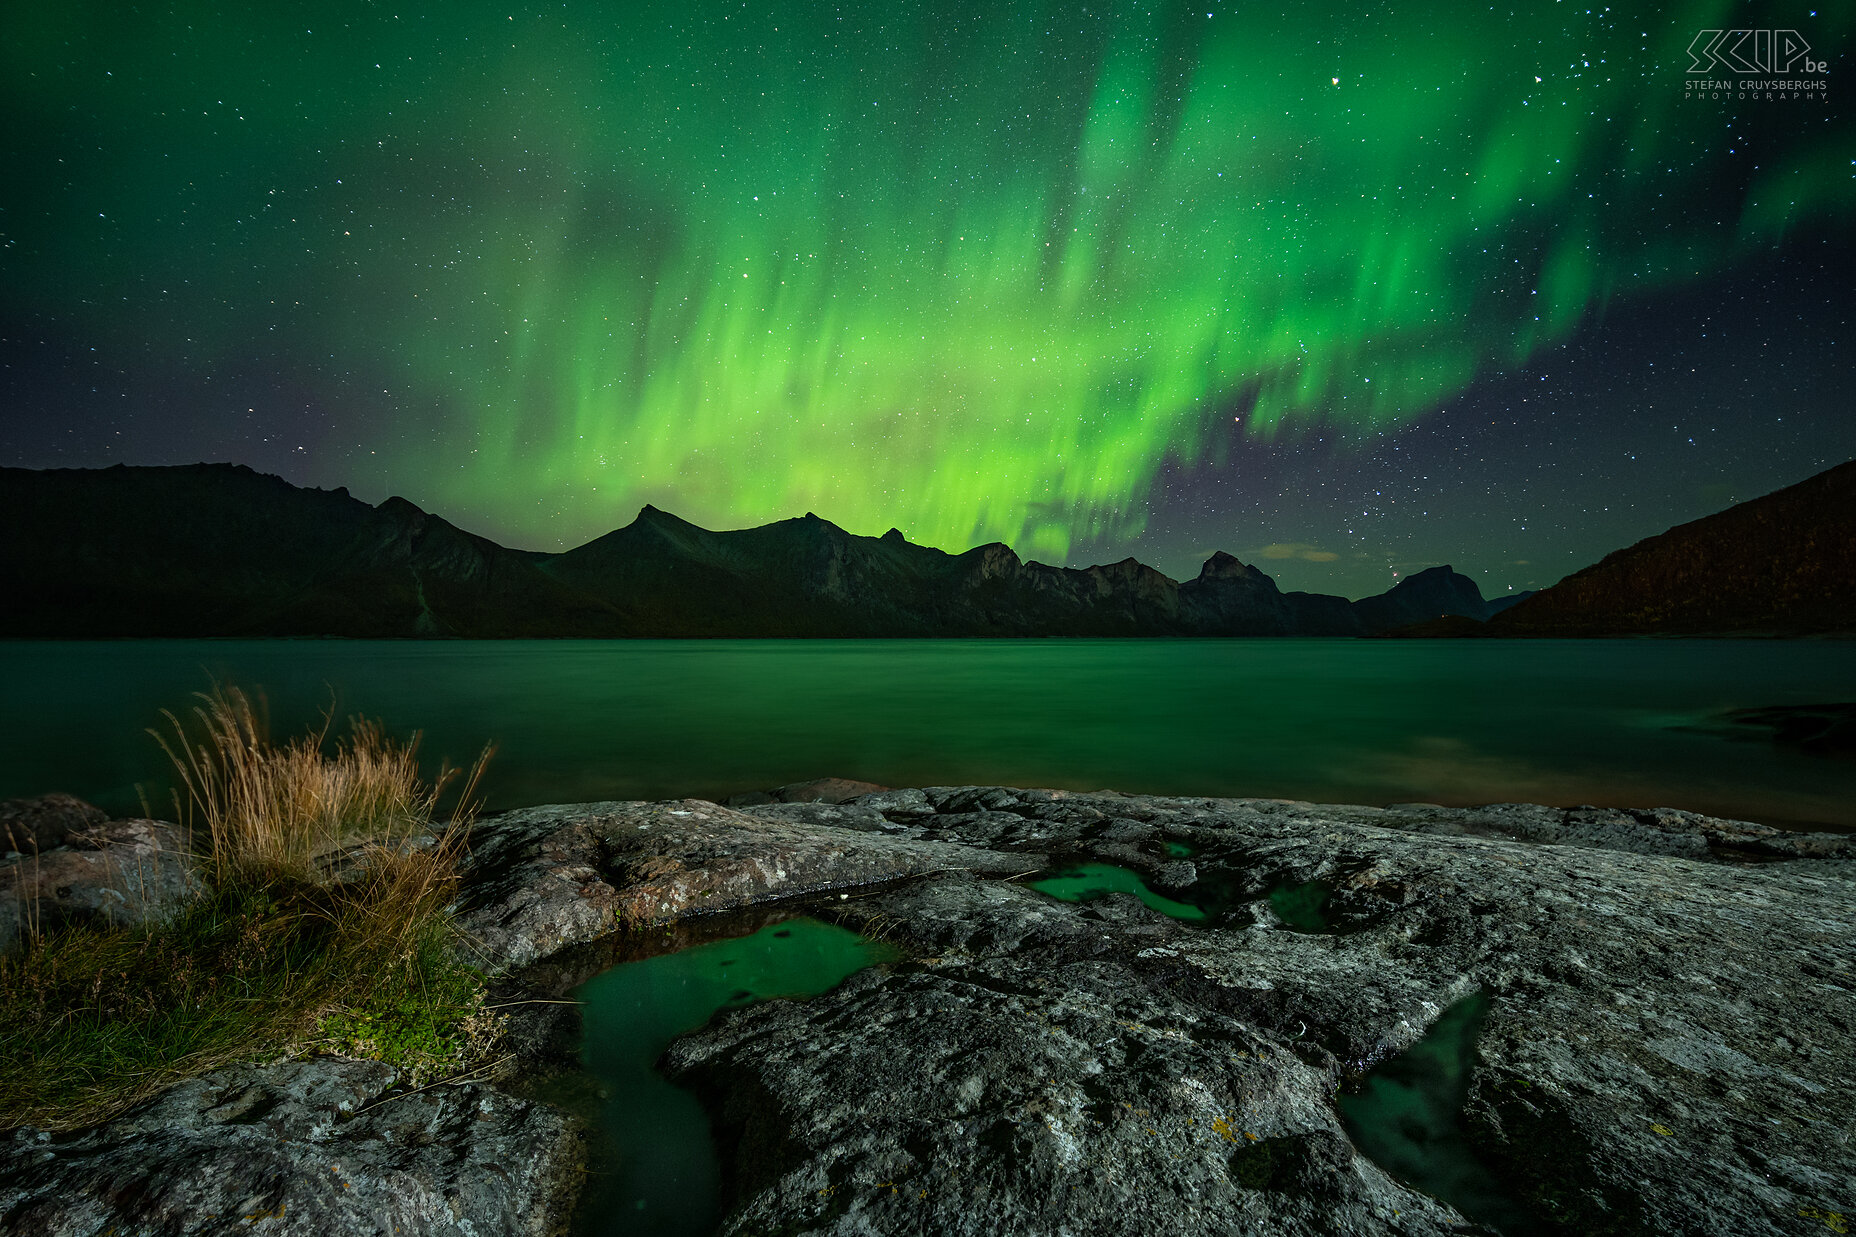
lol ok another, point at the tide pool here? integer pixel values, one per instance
(655, 1172)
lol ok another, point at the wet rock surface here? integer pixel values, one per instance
(308, 1147)
(971, 1094)
(819, 790)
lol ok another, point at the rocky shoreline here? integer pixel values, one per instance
(1669, 1047)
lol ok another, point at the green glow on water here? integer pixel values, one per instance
(1351, 721)
(1088, 881)
(665, 1181)
(1300, 906)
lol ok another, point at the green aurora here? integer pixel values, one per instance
(979, 270)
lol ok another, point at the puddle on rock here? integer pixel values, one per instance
(1087, 881)
(1406, 1118)
(1179, 850)
(1300, 906)
(655, 1172)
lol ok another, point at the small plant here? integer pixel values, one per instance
(322, 924)
(434, 1030)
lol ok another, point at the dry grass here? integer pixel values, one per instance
(262, 812)
(322, 924)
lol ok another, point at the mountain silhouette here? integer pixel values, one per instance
(221, 550)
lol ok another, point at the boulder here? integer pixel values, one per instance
(119, 871)
(28, 826)
(824, 790)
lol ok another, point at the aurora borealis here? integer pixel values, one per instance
(1089, 279)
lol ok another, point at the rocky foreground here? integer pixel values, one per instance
(1669, 1048)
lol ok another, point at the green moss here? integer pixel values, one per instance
(94, 1019)
(429, 1025)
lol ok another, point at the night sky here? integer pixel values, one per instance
(1347, 290)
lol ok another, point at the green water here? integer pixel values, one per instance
(658, 1175)
(1086, 881)
(1301, 907)
(1358, 721)
(1406, 1119)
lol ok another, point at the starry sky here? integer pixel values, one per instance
(1345, 289)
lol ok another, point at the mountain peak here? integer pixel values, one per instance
(660, 518)
(1426, 578)
(1223, 564)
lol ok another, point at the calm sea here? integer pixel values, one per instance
(1622, 723)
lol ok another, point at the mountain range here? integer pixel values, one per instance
(221, 550)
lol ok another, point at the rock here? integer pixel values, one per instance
(30, 826)
(122, 871)
(544, 878)
(824, 790)
(534, 883)
(308, 1148)
(1178, 875)
(819, 790)
(977, 1096)
(1815, 729)
(1670, 1045)
(1651, 831)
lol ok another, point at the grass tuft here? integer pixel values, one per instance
(321, 925)
(262, 812)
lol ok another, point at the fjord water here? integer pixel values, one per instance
(1611, 722)
(659, 1176)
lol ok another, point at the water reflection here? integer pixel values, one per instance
(656, 1173)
